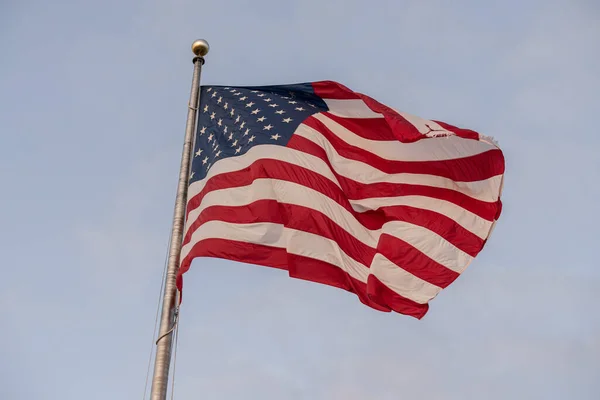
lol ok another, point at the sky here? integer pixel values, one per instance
(93, 104)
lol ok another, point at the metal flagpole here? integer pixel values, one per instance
(168, 318)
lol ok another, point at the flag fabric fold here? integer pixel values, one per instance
(337, 188)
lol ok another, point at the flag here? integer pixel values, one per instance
(339, 189)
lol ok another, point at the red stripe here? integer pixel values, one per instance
(415, 261)
(292, 216)
(265, 168)
(468, 169)
(464, 133)
(381, 294)
(444, 226)
(368, 128)
(402, 129)
(397, 125)
(381, 128)
(333, 90)
(304, 268)
(356, 190)
(308, 220)
(485, 210)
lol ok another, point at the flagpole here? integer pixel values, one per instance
(168, 318)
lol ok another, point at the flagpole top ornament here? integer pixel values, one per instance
(200, 47)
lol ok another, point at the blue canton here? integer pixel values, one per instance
(234, 119)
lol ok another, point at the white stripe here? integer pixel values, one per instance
(268, 152)
(355, 108)
(401, 281)
(464, 218)
(426, 241)
(430, 149)
(485, 190)
(320, 248)
(276, 235)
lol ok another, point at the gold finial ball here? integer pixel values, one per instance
(200, 47)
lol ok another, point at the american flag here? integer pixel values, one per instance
(337, 188)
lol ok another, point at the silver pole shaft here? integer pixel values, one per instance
(162, 361)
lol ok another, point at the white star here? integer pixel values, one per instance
(234, 143)
(232, 112)
(210, 137)
(287, 120)
(254, 91)
(273, 105)
(261, 119)
(225, 129)
(212, 116)
(267, 100)
(218, 153)
(275, 136)
(268, 127)
(230, 136)
(300, 108)
(279, 112)
(206, 108)
(250, 104)
(237, 119)
(243, 124)
(261, 95)
(246, 132)
(243, 98)
(251, 139)
(205, 160)
(220, 122)
(226, 105)
(208, 166)
(292, 102)
(203, 130)
(199, 152)
(238, 150)
(209, 89)
(192, 174)
(220, 99)
(255, 111)
(312, 105)
(214, 94)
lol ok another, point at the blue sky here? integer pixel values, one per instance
(93, 101)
